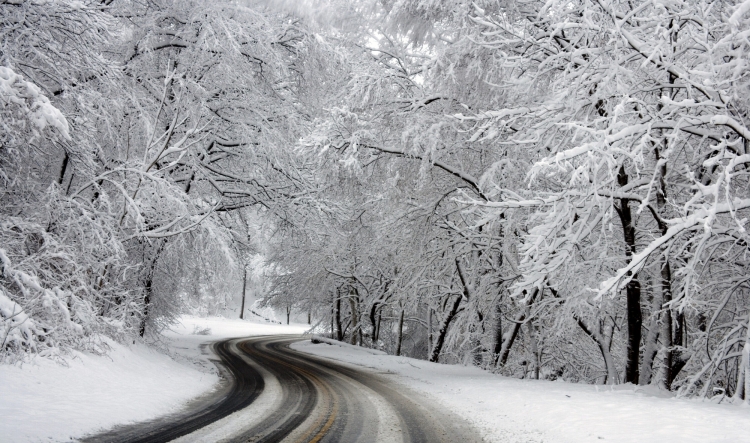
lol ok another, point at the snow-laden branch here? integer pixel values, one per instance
(467, 178)
(677, 227)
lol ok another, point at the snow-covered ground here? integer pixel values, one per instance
(45, 401)
(511, 410)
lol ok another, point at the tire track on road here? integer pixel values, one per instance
(312, 400)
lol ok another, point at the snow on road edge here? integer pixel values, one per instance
(511, 410)
(44, 401)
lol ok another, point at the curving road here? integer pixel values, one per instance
(278, 394)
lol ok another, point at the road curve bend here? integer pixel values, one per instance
(281, 395)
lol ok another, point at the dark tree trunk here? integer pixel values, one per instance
(146, 304)
(333, 315)
(429, 330)
(668, 325)
(534, 349)
(672, 332)
(508, 339)
(148, 287)
(400, 332)
(508, 342)
(356, 328)
(244, 285)
(374, 322)
(380, 318)
(677, 359)
(63, 168)
(633, 289)
(440, 339)
(498, 345)
(476, 340)
(339, 330)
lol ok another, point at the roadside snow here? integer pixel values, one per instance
(220, 328)
(511, 410)
(45, 401)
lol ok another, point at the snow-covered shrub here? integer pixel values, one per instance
(50, 295)
(27, 118)
(56, 253)
(198, 330)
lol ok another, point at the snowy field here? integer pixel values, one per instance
(45, 401)
(508, 410)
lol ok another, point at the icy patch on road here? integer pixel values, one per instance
(44, 401)
(511, 410)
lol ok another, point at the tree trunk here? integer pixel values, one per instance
(148, 287)
(509, 339)
(672, 336)
(380, 318)
(146, 305)
(339, 330)
(429, 330)
(498, 346)
(374, 322)
(673, 325)
(333, 316)
(468, 293)
(355, 316)
(534, 349)
(63, 168)
(633, 289)
(400, 332)
(650, 350)
(288, 313)
(743, 371)
(244, 286)
(477, 357)
(601, 340)
(440, 339)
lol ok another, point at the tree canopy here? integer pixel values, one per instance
(545, 189)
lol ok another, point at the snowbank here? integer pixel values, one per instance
(43, 400)
(221, 328)
(511, 410)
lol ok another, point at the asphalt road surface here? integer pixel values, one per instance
(275, 394)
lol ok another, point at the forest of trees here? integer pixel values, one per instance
(545, 189)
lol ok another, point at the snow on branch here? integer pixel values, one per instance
(29, 102)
